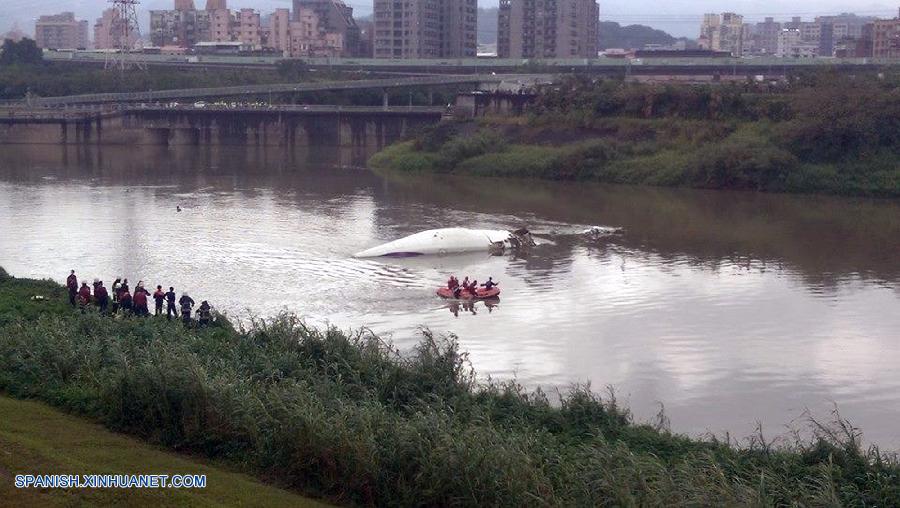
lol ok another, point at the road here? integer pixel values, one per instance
(261, 90)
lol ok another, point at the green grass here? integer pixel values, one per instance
(344, 416)
(36, 439)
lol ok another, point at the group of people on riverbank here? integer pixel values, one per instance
(125, 301)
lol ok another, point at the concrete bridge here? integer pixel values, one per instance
(358, 130)
(263, 90)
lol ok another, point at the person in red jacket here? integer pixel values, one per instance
(140, 302)
(125, 301)
(72, 286)
(101, 296)
(84, 296)
(159, 297)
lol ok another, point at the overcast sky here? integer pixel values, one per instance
(678, 17)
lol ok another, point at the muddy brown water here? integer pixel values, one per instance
(729, 308)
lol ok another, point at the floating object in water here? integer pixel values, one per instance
(597, 231)
(449, 241)
(177, 208)
(481, 293)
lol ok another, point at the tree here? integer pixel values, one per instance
(22, 52)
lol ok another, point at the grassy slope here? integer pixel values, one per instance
(343, 417)
(36, 439)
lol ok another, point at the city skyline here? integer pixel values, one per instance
(681, 19)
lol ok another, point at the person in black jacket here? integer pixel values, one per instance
(170, 304)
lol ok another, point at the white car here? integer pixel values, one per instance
(200, 104)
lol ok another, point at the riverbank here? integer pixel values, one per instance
(817, 134)
(346, 417)
(38, 439)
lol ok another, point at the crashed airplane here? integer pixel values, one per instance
(452, 241)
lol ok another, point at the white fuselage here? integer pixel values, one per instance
(438, 241)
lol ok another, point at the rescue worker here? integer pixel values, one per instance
(187, 303)
(116, 291)
(84, 296)
(95, 285)
(489, 284)
(451, 283)
(158, 298)
(204, 314)
(125, 301)
(140, 301)
(170, 304)
(473, 288)
(72, 286)
(125, 286)
(101, 296)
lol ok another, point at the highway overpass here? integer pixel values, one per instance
(602, 66)
(192, 94)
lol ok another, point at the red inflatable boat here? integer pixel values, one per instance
(481, 293)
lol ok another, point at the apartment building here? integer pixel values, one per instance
(109, 30)
(247, 28)
(61, 31)
(335, 19)
(886, 38)
(548, 29)
(425, 29)
(279, 31)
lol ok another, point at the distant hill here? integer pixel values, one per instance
(487, 25)
(614, 35)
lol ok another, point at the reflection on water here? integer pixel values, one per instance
(728, 307)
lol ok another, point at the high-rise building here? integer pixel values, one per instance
(425, 29)
(547, 29)
(61, 31)
(179, 28)
(109, 30)
(247, 28)
(184, 5)
(280, 31)
(765, 37)
(215, 5)
(886, 38)
(723, 32)
(334, 17)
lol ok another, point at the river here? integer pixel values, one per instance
(728, 308)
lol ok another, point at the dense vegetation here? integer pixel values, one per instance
(345, 416)
(826, 133)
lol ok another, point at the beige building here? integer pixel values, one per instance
(109, 30)
(307, 38)
(723, 32)
(61, 31)
(335, 21)
(220, 25)
(279, 31)
(425, 29)
(545, 29)
(247, 28)
(886, 38)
